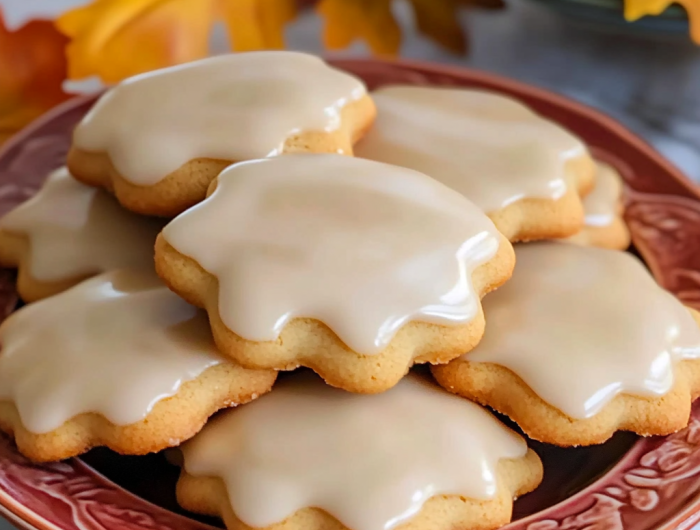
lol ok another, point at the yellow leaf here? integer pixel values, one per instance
(368, 20)
(115, 39)
(258, 24)
(635, 9)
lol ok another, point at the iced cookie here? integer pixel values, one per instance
(68, 232)
(523, 170)
(350, 267)
(414, 457)
(118, 360)
(157, 140)
(580, 343)
(604, 226)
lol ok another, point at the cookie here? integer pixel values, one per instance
(414, 457)
(526, 172)
(604, 226)
(580, 343)
(157, 140)
(119, 361)
(350, 267)
(69, 232)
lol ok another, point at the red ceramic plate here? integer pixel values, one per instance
(627, 483)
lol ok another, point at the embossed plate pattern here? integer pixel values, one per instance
(654, 484)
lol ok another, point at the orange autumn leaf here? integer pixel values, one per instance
(257, 24)
(115, 39)
(33, 67)
(368, 20)
(438, 21)
(635, 9)
(373, 22)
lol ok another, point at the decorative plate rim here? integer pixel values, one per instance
(682, 199)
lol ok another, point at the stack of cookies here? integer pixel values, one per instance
(304, 226)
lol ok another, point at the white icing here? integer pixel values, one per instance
(363, 247)
(234, 107)
(603, 202)
(115, 344)
(491, 148)
(370, 461)
(580, 325)
(75, 230)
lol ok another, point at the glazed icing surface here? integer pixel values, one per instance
(603, 202)
(75, 230)
(370, 461)
(238, 106)
(115, 345)
(490, 148)
(363, 247)
(580, 325)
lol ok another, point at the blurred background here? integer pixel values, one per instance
(645, 73)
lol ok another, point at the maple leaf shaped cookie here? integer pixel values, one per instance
(68, 232)
(526, 172)
(414, 457)
(353, 268)
(158, 140)
(582, 342)
(117, 360)
(604, 225)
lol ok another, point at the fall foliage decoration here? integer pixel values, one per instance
(33, 67)
(373, 22)
(115, 39)
(439, 20)
(369, 20)
(635, 9)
